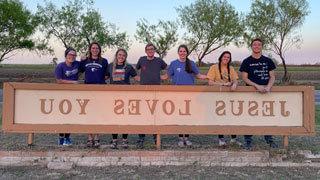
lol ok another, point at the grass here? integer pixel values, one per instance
(0, 116)
(280, 68)
(317, 115)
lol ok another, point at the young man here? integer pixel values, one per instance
(150, 68)
(258, 71)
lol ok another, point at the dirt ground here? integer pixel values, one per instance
(161, 172)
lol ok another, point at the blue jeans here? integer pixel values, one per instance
(248, 139)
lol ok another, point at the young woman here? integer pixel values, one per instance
(183, 71)
(95, 69)
(222, 74)
(67, 72)
(120, 72)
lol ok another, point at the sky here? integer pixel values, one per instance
(125, 14)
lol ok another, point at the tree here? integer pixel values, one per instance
(77, 25)
(17, 26)
(163, 35)
(211, 24)
(277, 24)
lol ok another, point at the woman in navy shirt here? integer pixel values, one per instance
(95, 69)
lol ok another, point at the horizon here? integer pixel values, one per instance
(165, 10)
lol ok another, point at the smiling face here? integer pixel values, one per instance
(71, 56)
(121, 57)
(95, 50)
(150, 51)
(256, 47)
(182, 52)
(225, 59)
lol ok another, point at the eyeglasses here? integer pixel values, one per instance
(72, 55)
(150, 49)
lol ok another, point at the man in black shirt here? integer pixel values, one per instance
(258, 71)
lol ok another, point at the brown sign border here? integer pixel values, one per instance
(308, 127)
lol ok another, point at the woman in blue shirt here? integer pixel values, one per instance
(183, 71)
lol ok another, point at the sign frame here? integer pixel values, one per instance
(308, 127)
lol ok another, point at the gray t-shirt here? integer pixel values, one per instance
(150, 70)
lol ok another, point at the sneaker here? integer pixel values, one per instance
(181, 142)
(125, 143)
(187, 142)
(140, 144)
(235, 141)
(222, 142)
(90, 143)
(96, 143)
(114, 144)
(248, 146)
(273, 145)
(61, 140)
(67, 142)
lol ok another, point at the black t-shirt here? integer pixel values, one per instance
(150, 70)
(258, 69)
(122, 73)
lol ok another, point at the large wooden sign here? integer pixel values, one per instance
(52, 108)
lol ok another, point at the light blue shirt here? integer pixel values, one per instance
(178, 74)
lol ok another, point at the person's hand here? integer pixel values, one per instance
(233, 87)
(164, 77)
(267, 89)
(260, 88)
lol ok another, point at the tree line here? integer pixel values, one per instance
(208, 25)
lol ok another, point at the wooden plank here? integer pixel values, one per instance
(8, 107)
(286, 142)
(30, 138)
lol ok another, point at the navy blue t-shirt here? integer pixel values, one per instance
(122, 73)
(95, 70)
(179, 75)
(150, 70)
(65, 72)
(258, 69)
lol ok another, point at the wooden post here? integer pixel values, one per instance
(158, 142)
(30, 139)
(286, 142)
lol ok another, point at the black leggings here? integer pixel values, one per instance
(222, 136)
(66, 135)
(115, 136)
(185, 135)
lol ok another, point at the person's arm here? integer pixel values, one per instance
(133, 73)
(245, 78)
(271, 81)
(201, 76)
(196, 71)
(62, 81)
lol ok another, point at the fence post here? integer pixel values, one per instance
(30, 139)
(286, 142)
(158, 142)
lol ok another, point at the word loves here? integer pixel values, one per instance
(133, 107)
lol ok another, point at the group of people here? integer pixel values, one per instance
(256, 70)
